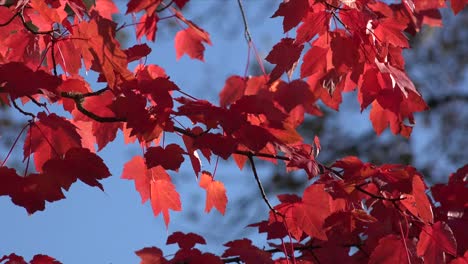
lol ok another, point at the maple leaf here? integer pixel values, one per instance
(19, 80)
(137, 52)
(147, 26)
(418, 203)
(391, 31)
(134, 6)
(314, 23)
(136, 170)
(170, 157)
(284, 54)
(51, 136)
(101, 51)
(392, 249)
(44, 259)
(434, 241)
(151, 255)
(458, 5)
(185, 241)
(164, 196)
(293, 11)
(316, 206)
(190, 41)
(215, 193)
(247, 252)
(220, 145)
(314, 62)
(233, 90)
(78, 163)
(106, 8)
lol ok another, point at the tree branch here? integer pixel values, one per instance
(248, 37)
(260, 186)
(438, 102)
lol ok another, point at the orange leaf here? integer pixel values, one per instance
(215, 193)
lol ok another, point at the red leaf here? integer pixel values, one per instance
(418, 203)
(13, 259)
(391, 31)
(458, 5)
(18, 80)
(170, 158)
(434, 241)
(147, 26)
(137, 52)
(51, 136)
(392, 249)
(215, 193)
(315, 208)
(314, 62)
(220, 145)
(43, 259)
(185, 241)
(284, 54)
(135, 6)
(247, 252)
(190, 41)
(293, 11)
(78, 163)
(106, 8)
(233, 90)
(314, 23)
(164, 197)
(136, 170)
(151, 255)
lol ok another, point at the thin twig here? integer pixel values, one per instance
(165, 7)
(359, 188)
(260, 186)
(9, 20)
(22, 111)
(248, 37)
(37, 102)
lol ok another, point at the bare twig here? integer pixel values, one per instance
(165, 7)
(359, 188)
(248, 37)
(22, 111)
(260, 186)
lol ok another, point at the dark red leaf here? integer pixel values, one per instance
(185, 241)
(170, 158)
(293, 11)
(284, 54)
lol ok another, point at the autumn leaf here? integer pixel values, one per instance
(151, 255)
(293, 11)
(164, 197)
(435, 241)
(185, 241)
(392, 249)
(170, 157)
(190, 41)
(215, 193)
(247, 252)
(284, 54)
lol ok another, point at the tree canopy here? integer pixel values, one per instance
(351, 211)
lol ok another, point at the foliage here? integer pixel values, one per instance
(382, 213)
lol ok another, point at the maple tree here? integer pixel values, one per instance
(382, 213)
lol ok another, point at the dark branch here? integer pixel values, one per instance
(260, 186)
(438, 102)
(165, 7)
(359, 188)
(248, 37)
(22, 111)
(9, 20)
